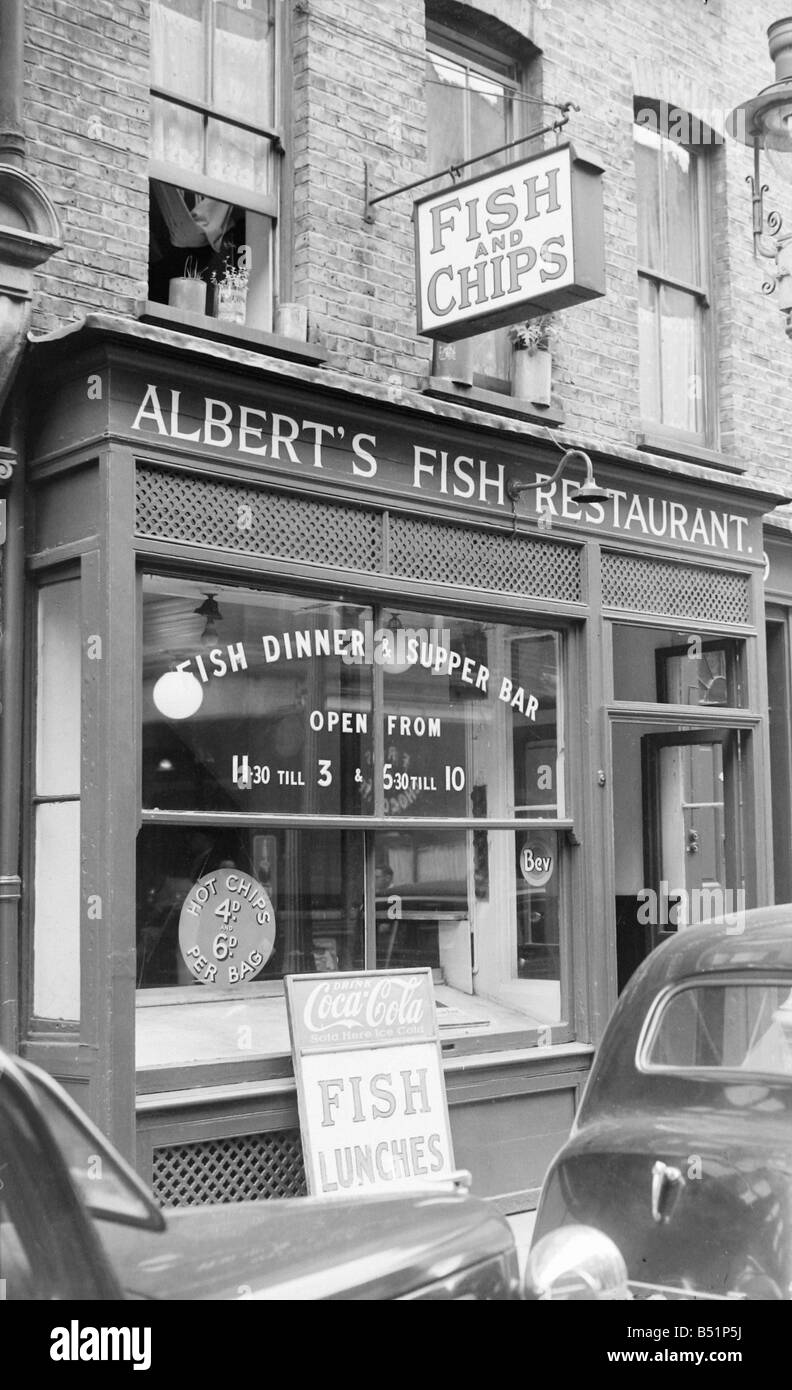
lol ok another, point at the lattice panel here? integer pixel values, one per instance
(245, 1168)
(674, 590)
(229, 516)
(444, 554)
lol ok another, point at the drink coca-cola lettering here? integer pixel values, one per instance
(380, 1003)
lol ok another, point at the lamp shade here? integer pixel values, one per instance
(178, 694)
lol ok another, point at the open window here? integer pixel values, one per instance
(216, 152)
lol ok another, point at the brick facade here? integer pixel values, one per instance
(358, 96)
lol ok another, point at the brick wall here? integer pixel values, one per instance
(86, 124)
(358, 85)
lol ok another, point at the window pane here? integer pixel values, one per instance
(682, 361)
(647, 193)
(178, 47)
(244, 54)
(649, 360)
(56, 930)
(423, 911)
(454, 693)
(676, 667)
(681, 232)
(238, 157)
(176, 135)
(314, 880)
(265, 713)
(537, 880)
(445, 112)
(59, 679)
(490, 109)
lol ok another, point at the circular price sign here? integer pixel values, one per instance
(226, 928)
(537, 860)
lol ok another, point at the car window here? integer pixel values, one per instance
(723, 1025)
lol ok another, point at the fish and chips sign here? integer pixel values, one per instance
(370, 1089)
(510, 245)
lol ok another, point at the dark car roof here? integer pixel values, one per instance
(755, 942)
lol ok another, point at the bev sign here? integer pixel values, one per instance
(370, 1087)
(520, 242)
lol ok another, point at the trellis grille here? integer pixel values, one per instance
(672, 589)
(242, 1168)
(183, 508)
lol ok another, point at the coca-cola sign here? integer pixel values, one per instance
(342, 1011)
(370, 1087)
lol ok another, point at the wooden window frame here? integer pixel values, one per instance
(276, 205)
(493, 64)
(656, 431)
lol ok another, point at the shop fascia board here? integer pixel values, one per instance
(98, 330)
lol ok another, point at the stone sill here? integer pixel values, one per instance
(223, 331)
(493, 401)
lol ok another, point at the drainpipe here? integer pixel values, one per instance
(11, 611)
(12, 81)
(29, 235)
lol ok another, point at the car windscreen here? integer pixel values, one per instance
(722, 1025)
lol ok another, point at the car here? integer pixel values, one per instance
(77, 1223)
(681, 1150)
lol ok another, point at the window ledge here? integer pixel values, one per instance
(220, 330)
(494, 401)
(671, 447)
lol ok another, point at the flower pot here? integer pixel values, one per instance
(455, 361)
(532, 374)
(188, 294)
(231, 303)
(291, 321)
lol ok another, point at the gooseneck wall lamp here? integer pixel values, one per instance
(765, 123)
(587, 491)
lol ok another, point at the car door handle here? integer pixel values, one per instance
(667, 1183)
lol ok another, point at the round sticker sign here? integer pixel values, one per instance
(537, 860)
(226, 928)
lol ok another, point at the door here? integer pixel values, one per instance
(692, 800)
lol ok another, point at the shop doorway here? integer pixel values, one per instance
(680, 812)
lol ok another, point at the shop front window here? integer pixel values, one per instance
(330, 784)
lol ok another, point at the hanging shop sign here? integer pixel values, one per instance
(226, 928)
(370, 1088)
(525, 240)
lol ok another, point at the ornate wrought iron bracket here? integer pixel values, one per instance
(765, 227)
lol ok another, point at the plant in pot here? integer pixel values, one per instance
(231, 288)
(532, 360)
(188, 291)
